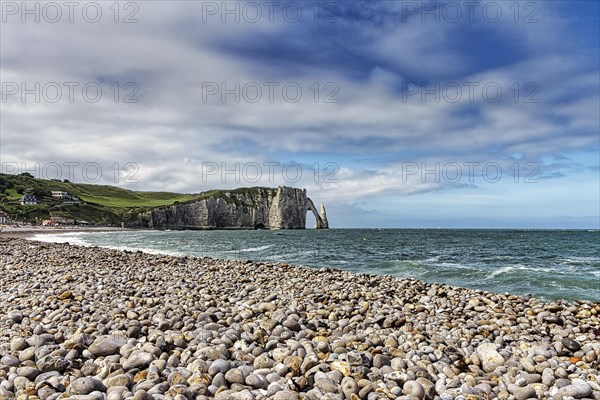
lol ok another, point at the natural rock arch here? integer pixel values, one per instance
(320, 217)
(244, 208)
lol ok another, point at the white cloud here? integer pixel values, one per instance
(170, 53)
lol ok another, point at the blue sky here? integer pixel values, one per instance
(393, 113)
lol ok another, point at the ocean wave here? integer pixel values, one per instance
(249, 249)
(502, 271)
(453, 265)
(145, 250)
(546, 272)
(538, 270)
(581, 260)
(67, 237)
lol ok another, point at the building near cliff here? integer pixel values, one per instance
(56, 220)
(28, 200)
(60, 195)
(66, 197)
(247, 208)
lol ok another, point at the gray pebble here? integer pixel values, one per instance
(571, 344)
(18, 344)
(577, 390)
(107, 345)
(257, 381)
(86, 385)
(234, 376)
(380, 360)
(326, 385)
(138, 359)
(521, 393)
(28, 372)
(219, 365)
(548, 377)
(9, 361)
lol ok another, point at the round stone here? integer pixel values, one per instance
(138, 359)
(86, 385)
(107, 345)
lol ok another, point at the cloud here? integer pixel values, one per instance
(378, 89)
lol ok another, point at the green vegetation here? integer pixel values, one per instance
(98, 204)
(232, 196)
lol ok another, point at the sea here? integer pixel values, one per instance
(547, 264)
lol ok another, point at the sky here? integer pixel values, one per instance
(482, 114)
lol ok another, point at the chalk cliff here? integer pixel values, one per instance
(251, 208)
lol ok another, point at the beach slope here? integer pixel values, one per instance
(93, 323)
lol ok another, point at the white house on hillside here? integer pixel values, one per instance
(60, 195)
(65, 197)
(28, 200)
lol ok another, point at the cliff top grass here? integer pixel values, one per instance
(232, 196)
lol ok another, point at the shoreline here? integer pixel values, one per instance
(29, 231)
(96, 323)
(572, 294)
(29, 234)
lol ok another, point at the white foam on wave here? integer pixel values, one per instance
(503, 270)
(76, 238)
(145, 250)
(250, 249)
(530, 268)
(67, 237)
(581, 259)
(451, 265)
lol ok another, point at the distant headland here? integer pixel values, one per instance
(246, 208)
(26, 200)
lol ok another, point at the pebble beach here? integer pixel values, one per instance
(92, 323)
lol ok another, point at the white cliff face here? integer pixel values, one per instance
(289, 209)
(324, 221)
(281, 208)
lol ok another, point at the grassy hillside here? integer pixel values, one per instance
(100, 204)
